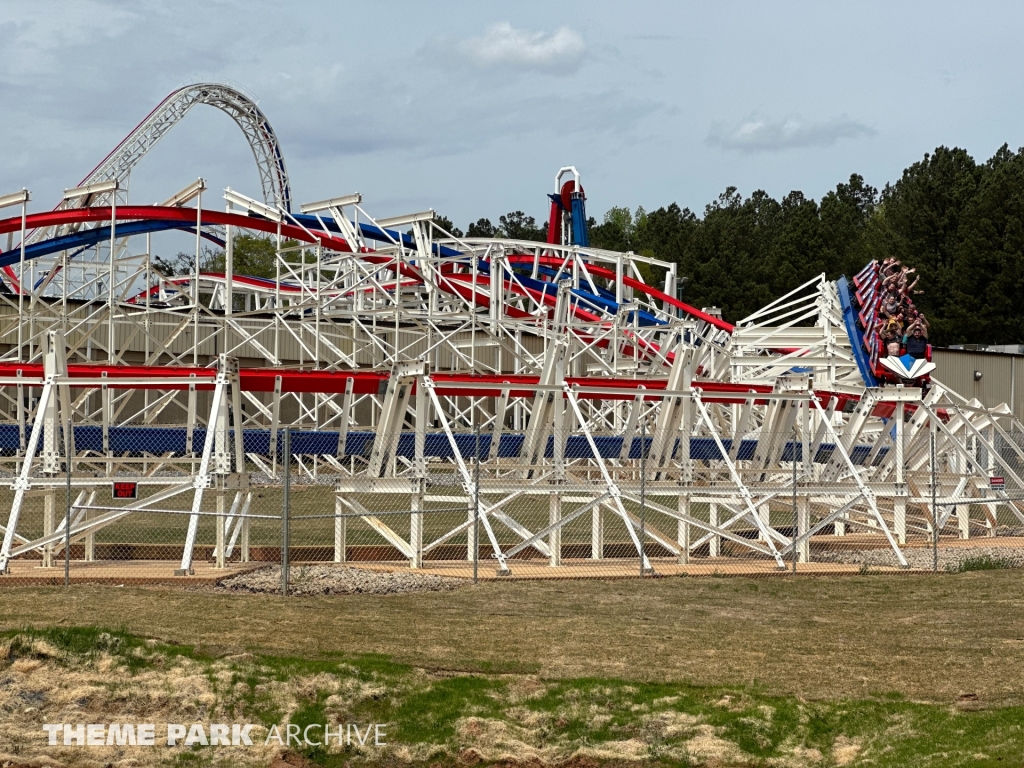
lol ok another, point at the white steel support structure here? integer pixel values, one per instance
(572, 370)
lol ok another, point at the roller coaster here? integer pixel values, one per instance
(415, 370)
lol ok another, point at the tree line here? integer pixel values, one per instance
(960, 223)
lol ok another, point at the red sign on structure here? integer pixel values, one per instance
(124, 490)
(997, 483)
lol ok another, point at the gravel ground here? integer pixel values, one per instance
(949, 557)
(337, 580)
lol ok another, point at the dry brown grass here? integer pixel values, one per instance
(100, 687)
(928, 637)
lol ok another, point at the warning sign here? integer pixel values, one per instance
(124, 490)
(997, 483)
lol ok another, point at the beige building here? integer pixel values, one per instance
(990, 377)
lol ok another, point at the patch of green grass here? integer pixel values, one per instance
(255, 701)
(311, 712)
(134, 652)
(80, 640)
(981, 563)
(430, 713)
(258, 702)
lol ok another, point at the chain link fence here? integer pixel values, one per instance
(179, 505)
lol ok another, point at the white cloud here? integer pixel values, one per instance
(757, 134)
(502, 45)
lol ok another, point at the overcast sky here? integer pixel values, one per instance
(471, 107)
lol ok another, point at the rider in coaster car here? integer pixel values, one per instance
(916, 340)
(892, 328)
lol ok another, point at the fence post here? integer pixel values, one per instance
(67, 505)
(476, 509)
(220, 561)
(340, 531)
(796, 519)
(643, 496)
(935, 511)
(286, 482)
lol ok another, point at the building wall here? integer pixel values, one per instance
(1002, 376)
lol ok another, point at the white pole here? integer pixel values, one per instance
(110, 287)
(195, 285)
(21, 285)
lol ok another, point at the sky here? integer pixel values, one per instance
(470, 108)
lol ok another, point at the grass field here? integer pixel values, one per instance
(883, 667)
(433, 717)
